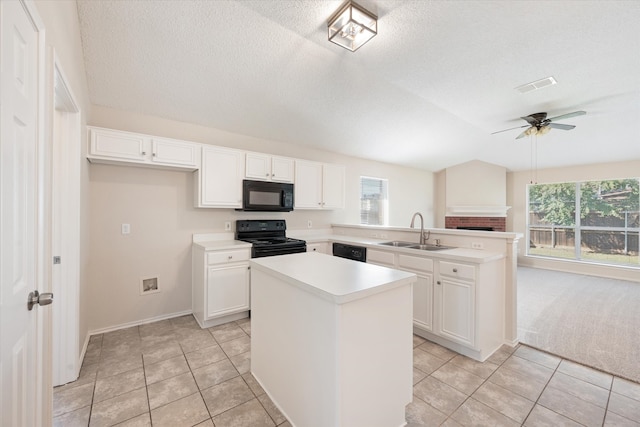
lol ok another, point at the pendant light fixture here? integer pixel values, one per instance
(352, 26)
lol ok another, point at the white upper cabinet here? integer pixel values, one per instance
(264, 167)
(319, 185)
(175, 153)
(333, 177)
(308, 185)
(218, 183)
(118, 147)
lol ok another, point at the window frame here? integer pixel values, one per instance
(385, 202)
(578, 228)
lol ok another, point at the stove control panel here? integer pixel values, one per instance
(251, 225)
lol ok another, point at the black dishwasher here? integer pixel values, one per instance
(356, 253)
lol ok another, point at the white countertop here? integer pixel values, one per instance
(334, 279)
(455, 254)
(221, 245)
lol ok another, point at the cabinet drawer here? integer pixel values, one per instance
(380, 257)
(227, 256)
(415, 263)
(459, 271)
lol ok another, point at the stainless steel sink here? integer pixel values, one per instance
(397, 244)
(429, 247)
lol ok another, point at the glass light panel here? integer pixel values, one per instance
(352, 28)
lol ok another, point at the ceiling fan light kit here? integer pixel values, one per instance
(538, 124)
(352, 26)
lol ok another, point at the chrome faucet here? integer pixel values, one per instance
(423, 238)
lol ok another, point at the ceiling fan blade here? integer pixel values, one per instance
(560, 126)
(566, 116)
(519, 127)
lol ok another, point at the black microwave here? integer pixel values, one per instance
(265, 196)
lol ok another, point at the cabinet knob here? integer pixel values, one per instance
(153, 154)
(144, 153)
(314, 249)
(230, 257)
(455, 270)
(438, 282)
(266, 174)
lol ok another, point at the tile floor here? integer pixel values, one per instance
(172, 373)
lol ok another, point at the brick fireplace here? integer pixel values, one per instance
(488, 223)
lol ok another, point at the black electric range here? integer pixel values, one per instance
(268, 237)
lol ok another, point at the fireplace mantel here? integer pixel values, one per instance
(476, 211)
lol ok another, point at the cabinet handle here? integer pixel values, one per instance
(438, 282)
(266, 174)
(320, 204)
(314, 249)
(144, 153)
(455, 270)
(230, 257)
(153, 154)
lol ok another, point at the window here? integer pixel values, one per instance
(597, 221)
(374, 206)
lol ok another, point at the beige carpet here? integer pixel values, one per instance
(590, 320)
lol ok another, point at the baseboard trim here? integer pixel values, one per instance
(134, 323)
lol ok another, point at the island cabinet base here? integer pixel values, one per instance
(329, 364)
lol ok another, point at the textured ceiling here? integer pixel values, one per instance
(426, 92)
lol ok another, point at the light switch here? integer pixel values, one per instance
(126, 228)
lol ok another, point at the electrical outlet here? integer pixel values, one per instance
(126, 228)
(227, 226)
(476, 245)
(309, 223)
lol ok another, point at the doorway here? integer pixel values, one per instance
(65, 237)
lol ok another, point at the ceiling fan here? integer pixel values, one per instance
(538, 124)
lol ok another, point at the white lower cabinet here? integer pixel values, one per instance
(422, 289)
(221, 283)
(384, 258)
(456, 304)
(322, 247)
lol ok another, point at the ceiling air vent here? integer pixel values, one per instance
(538, 84)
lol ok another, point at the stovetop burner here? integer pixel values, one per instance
(268, 238)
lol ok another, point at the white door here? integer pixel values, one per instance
(20, 65)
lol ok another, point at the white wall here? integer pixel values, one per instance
(517, 198)
(159, 206)
(63, 34)
(476, 183)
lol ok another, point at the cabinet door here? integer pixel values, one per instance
(258, 166)
(116, 145)
(333, 177)
(423, 302)
(308, 185)
(227, 290)
(220, 178)
(174, 153)
(282, 169)
(457, 310)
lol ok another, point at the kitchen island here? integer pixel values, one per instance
(331, 339)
